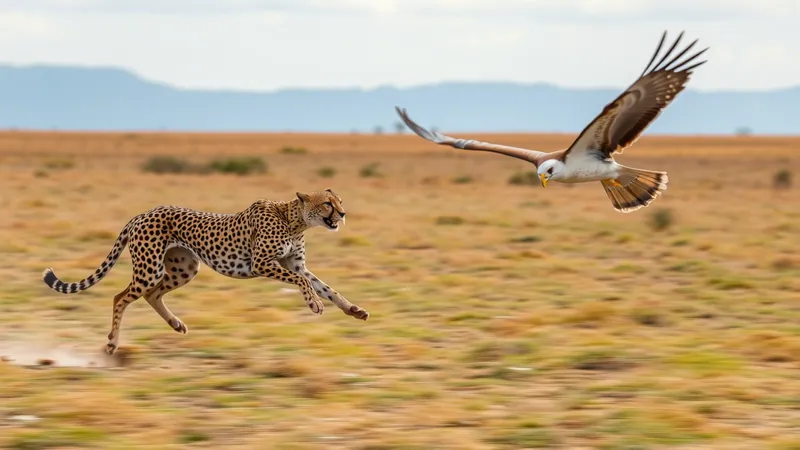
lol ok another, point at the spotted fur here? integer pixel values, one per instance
(168, 243)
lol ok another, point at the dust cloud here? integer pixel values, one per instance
(41, 354)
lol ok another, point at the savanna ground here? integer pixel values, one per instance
(502, 315)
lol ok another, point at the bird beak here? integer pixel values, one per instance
(544, 179)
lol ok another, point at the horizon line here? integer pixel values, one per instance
(122, 131)
(136, 74)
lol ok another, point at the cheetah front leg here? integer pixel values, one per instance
(296, 263)
(266, 251)
(274, 270)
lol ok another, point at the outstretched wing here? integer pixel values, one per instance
(623, 120)
(536, 157)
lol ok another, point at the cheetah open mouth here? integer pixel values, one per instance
(329, 223)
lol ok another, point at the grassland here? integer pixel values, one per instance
(502, 315)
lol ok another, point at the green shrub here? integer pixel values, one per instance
(525, 179)
(193, 436)
(326, 172)
(661, 219)
(289, 150)
(782, 179)
(59, 164)
(449, 220)
(370, 170)
(167, 164)
(239, 166)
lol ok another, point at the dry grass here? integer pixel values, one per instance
(503, 316)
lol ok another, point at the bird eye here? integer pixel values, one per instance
(550, 171)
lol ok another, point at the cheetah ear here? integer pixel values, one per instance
(329, 190)
(303, 197)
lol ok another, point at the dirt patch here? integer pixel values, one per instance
(42, 355)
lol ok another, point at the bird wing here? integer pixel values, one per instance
(533, 156)
(622, 121)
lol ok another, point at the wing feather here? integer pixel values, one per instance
(533, 156)
(655, 54)
(623, 121)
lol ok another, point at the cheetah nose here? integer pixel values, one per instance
(341, 214)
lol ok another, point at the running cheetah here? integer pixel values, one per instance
(167, 244)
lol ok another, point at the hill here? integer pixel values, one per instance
(79, 98)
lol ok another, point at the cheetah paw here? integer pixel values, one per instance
(111, 348)
(316, 306)
(178, 326)
(358, 312)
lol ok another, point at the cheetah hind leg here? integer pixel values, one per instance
(121, 301)
(180, 267)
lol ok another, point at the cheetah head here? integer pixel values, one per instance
(322, 208)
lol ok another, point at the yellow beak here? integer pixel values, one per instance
(544, 179)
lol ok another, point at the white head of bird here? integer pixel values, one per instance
(552, 169)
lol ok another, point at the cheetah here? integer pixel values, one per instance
(168, 243)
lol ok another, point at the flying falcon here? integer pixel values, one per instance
(590, 157)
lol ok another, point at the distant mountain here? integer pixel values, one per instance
(74, 98)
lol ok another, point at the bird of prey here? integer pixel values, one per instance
(590, 157)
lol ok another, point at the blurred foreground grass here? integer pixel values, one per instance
(502, 315)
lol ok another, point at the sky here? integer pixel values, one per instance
(273, 44)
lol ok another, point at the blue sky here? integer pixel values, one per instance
(270, 44)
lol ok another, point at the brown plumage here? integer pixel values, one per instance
(639, 192)
(622, 121)
(618, 126)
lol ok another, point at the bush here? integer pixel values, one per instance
(661, 219)
(59, 164)
(326, 172)
(239, 166)
(526, 239)
(782, 179)
(289, 150)
(465, 179)
(167, 164)
(525, 179)
(370, 170)
(193, 436)
(649, 315)
(599, 360)
(449, 220)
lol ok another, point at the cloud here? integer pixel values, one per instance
(20, 24)
(188, 7)
(610, 11)
(267, 44)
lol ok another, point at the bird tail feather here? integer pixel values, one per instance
(635, 188)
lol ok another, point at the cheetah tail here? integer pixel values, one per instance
(57, 285)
